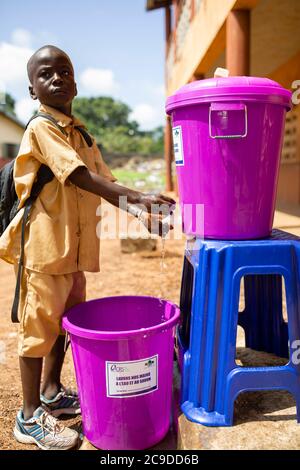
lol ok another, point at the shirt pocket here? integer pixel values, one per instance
(87, 155)
(94, 162)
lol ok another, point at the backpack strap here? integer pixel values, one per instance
(44, 176)
(16, 301)
(50, 118)
(83, 132)
(85, 135)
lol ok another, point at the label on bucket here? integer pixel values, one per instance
(131, 378)
(178, 147)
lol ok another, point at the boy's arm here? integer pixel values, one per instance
(96, 184)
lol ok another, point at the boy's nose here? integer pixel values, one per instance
(57, 78)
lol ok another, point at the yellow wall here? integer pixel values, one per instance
(275, 39)
(275, 34)
(202, 33)
(10, 132)
(274, 52)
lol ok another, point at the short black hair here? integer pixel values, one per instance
(31, 61)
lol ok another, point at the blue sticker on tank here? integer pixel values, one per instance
(178, 146)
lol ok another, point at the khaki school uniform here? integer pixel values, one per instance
(60, 241)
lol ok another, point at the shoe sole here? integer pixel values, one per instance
(25, 439)
(64, 411)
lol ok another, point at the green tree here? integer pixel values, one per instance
(9, 104)
(109, 122)
(102, 113)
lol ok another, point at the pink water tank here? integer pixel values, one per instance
(227, 136)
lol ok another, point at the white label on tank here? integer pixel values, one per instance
(178, 147)
(132, 378)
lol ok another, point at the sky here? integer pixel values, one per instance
(117, 49)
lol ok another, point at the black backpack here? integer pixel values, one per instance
(9, 201)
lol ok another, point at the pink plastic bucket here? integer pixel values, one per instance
(227, 135)
(123, 356)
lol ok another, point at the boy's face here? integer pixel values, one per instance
(52, 79)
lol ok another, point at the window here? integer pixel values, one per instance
(9, 150)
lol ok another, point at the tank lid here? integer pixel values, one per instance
(230, 88)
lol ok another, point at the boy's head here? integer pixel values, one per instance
(51, 76)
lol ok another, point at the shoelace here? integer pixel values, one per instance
(50, 424)
(69, 392)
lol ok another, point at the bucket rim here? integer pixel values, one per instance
(103, 335)
(173, 102)
(232, 88)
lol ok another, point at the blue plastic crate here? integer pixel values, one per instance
(211, 379)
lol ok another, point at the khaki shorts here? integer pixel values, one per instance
(43, 300)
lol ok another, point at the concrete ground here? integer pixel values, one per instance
(262, 420)
(288, 221)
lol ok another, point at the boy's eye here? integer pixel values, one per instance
(66, 72)
(45, 74)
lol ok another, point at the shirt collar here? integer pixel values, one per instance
(61, 118)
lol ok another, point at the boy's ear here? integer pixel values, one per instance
(76, 89)
(32, 92)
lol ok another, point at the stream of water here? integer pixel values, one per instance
(162, 267)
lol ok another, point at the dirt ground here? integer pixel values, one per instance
(133, 274)
(262, 421)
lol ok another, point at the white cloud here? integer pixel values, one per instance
(22, 38)
(13, 61)
(41, 38)
(160, 91)
(147, 116)
(25, 108)
(99, 81)
(14, 56)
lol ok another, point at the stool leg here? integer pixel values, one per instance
(262, 320)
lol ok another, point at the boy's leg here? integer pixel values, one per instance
(52, 369)
(34, 425)
(54, 360)
(42, 301)
(31, 369)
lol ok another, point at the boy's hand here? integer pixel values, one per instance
(167, 203)
(158, 208)
(155, 224)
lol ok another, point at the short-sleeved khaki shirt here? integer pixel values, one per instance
(61, 235)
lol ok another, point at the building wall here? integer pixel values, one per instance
(10, 133)
(289, 177)
(196, 52)
(275, 34)
(274, 52)
(275, 24)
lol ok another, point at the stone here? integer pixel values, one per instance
(264, 420)
(86, 445)
(133, 245)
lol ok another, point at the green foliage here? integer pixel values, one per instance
(109, 122)
(9, 104)
(129, 178)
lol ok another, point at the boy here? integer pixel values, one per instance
(60, 243)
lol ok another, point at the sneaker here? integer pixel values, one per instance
(66, 402)
(44, 431)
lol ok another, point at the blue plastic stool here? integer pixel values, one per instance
(211, 379)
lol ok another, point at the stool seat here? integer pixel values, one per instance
(212, 273)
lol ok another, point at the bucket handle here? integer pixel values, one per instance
(67, 342)
(228, 107)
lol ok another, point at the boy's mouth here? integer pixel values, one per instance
(59, 91)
